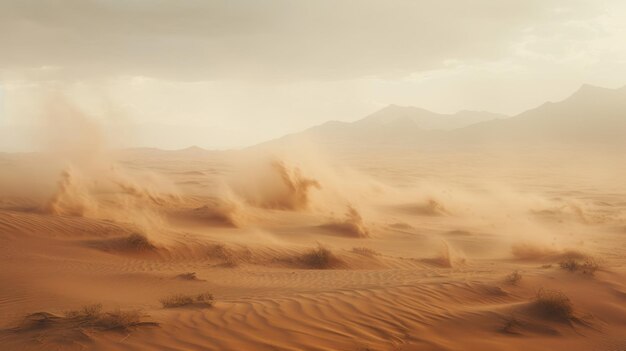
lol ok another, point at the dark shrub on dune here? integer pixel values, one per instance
(92, 315)
(587, 265)
(553, 304)
(319, 258)
(88, 317)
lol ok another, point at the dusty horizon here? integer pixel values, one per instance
(229, 76)
(123, 133)
(312, 175)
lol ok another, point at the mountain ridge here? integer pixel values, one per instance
(590, 114)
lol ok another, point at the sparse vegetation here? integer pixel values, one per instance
(180, 300)
(93, 316)
(554, 304)
(119, 319)
(587, 265)
(206, 298)
(88, 311)
(319, 258)
(513, 278)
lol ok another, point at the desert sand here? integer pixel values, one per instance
(283, 175)
(302, 249)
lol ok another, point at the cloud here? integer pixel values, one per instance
(282, 40)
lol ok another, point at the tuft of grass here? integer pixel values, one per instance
(93, 316)
(513, 278)
(587, 265)
(88, 311)
(119, 319)
(554, 304)
(176, 300)
(207, 298)
(180, 300)
(318, 258)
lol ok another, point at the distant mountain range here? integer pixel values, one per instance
(424, 119)
(590, 115)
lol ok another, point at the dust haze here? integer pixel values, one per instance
(402, 229)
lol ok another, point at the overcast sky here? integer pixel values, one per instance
(232, 73)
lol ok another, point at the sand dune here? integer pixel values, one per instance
(299, 257)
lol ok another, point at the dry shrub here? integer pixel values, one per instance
(180, 300)
(119, 319)
(364, 251)
(88, 311)
(513, 278)
(93, 316)
(554, 304)
(587, 265)
(319, 258)
(177, 300)
(77, 327)
(206, 298)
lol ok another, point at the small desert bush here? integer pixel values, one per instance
(119, 319)
(93, 316)
(587, 265)
(554, 304)
(88, 311)
(205, 298)
(318, 258)
(513, 278)
(364, 251)
(180, 300)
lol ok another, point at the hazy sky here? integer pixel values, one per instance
(231, 73)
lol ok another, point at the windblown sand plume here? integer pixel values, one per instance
(320, 209)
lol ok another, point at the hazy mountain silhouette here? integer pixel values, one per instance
(590, 115)
(424, 119)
